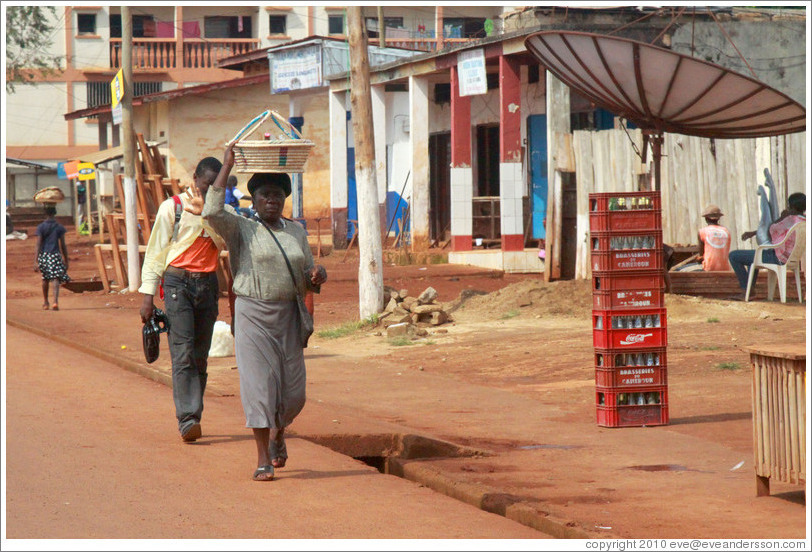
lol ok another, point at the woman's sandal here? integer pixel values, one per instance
(46, 306)
(264, 473)
(278, 452)
(55, 307)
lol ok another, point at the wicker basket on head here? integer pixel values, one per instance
(50, 195)
(285, 151)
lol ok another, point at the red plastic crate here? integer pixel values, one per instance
(610, 358)
(625, 377)
(603, 201)
(612, 221)
(607, 334)
(631, 280)
(645, 259)
(626, 242)
(620, 397)
(632, 416)
(628, 299)
(613, 413)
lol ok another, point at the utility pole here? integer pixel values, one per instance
(381, 28)
(370, 265)
(130, 212)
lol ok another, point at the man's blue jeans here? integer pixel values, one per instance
(191, 306)
(742, 259)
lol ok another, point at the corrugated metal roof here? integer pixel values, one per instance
(30, 164)
(171, 94)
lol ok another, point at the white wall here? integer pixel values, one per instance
(91, 51)
(399, 162)
(34, 115)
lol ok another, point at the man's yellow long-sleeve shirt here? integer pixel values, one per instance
(161, 250)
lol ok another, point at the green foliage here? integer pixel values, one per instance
(348, 328)
(510, 314)
(28, 38)
(400, 341)
(713, 320)
(728, 366)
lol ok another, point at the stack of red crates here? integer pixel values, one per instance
(628, 316)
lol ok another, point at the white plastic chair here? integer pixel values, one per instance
(779, 271)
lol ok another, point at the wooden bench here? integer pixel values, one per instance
(721, 285)
(779, 414)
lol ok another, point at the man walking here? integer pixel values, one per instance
(182, 257)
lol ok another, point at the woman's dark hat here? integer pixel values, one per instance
(261, 179)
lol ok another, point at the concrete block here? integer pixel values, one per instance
(429, 294)
(401, 330)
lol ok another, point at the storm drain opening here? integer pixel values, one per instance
(377, 462)
(400, 455)
(384, 452)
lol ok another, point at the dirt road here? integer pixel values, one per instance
(93, 453)
(512, 380)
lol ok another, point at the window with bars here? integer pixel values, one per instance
(98, 93)
(335, 25)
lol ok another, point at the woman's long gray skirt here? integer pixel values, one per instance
(270, 361)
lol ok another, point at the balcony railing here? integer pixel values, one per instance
(160, 53)
(419, 44)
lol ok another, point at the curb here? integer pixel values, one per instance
(489, 500)
(479, 496)
(140, 369)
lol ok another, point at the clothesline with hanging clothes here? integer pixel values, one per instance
(166, 29)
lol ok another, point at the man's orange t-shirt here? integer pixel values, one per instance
(717, 246)
(201, 256)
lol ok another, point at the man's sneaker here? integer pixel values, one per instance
(193, 433)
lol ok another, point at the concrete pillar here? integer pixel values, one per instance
(338, 168)
(462, 175)
(419, 146)
(296, 194)
(379, 128)
(510, 155)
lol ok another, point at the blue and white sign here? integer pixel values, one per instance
(295, 69)
(472, 74)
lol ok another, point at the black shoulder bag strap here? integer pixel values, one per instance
(287, 262)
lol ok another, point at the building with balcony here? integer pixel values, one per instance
(181, 46)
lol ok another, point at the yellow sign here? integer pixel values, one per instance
(87, 171)
(117, 88)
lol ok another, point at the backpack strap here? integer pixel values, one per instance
(178, 213)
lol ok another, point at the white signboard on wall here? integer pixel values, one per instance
(295, 69)
(472, 75)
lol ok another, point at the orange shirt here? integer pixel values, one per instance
(201, 256)
(717, 246)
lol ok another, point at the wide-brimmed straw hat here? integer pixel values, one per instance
(712, 211)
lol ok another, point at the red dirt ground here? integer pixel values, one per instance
(524, 352)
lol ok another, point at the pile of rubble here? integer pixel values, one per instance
(405, 315)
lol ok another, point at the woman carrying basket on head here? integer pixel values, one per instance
(272, 265)
(52, 255)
